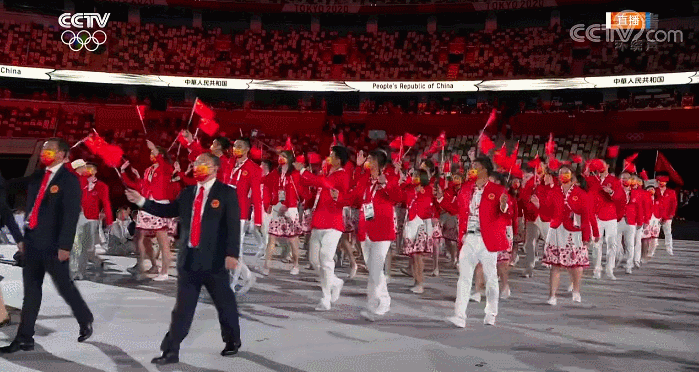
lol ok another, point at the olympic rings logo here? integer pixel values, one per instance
(83, 39)
(635, 136)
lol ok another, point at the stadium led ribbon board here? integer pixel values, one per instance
(591, 82)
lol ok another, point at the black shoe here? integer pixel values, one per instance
(16, 346)
(231, 349)
(168, 357)
(5, 322)
(85, 332)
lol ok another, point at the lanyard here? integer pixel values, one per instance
(566, 194)
(237, 169)
(373, 188)
(320, 189)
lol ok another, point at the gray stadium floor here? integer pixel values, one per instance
(647, 321)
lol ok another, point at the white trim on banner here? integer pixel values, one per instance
(638, 80)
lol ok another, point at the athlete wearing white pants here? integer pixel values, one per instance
(322, 246)
(667, 231)
(472, 252)
(626, 235)
(532, 233)
(379, 301)
(637, 246)
(608, 235)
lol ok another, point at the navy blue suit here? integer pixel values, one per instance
(204, 265)
(57, 220)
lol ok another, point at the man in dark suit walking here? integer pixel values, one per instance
(210, 238)
(53, 202)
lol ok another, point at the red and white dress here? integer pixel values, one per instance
(570, 228)
(156, 186)
(652, 229)
(418, 232)
(285, 222)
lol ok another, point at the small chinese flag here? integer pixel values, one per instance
(208, 126)
(203, 110)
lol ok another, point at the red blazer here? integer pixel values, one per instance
(95, 200)
(647, 201)
(531, 212)
(328, 212)
(656, 207)
(632, 209)
(668, 203)
(158, 187)
(420, 203)
(266, 185)
(451, 193)
(247, 182)
(381, 227)
(606, 206)
(493, 221)
(567, 206)
(291, 184)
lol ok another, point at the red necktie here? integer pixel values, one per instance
(34, 218)
(196, 218)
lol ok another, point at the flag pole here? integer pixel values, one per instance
(656, 163)
(191, 115)
(141, 117)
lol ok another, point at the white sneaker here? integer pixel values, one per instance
(610, 275)
(552, 301)
(576, 297)
(322, 306)
(353, 272)
(514, 261)
(335, 291)
(457, 321)
(418, 289)
(161, 278)
(570, 287)
(637, 264)
(265, 271)
(294, 271)
(629, 270)
(597, 274)
(367, 315)
(489, 319)
(248, 284)
(476, 297)
(669, 251)
(505, 293)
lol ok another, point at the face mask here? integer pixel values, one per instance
(472, 174)
(540, 171)
(367, 165)
(281, 160)
(565, 177)
(625, 183)
(515, 185)
(416, 180)
(201, 173)
(48, 157)
(153, 159)
(663, 184)
(329, 160)
(651, 191)
(238, 152)
(457, 181)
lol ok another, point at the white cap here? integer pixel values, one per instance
(78, 163)
(653, 183)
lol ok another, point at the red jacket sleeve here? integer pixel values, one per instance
(189, 181)
(590, 201)
(135, 185)
(672, 208)
(106, 204)
(195, 149)
(256, 191)
(585, 224)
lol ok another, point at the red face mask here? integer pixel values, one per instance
(662, 184)
(515, 185)
(472, 174)
(565, 177)
(201, 173)
(48, 157)
(367, 165)
(153, 159)
(625, 183)
(281, 160)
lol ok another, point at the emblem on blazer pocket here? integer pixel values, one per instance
(575, 198)
(491, 196)
(215, 203)
(245, 173)
(53, 189)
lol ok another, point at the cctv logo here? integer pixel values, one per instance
(83, 38)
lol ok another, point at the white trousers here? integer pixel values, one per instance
(608, 236)
(667, 231)
(626, 235)
(637, 245)
(321, 250)
(378, 299)
(472, 252)
(242, 269)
